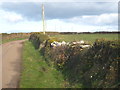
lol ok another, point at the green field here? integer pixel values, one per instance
(86, 37)
(13, 37)
(71, 37)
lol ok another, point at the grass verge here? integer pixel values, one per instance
(36, 73)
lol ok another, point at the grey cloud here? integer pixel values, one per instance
(28, 10)
(32, 11)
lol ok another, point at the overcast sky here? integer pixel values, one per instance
(59, 16)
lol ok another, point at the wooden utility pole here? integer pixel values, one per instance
(43, 19)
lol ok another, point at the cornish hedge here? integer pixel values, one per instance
(97, 66)
(37, 39)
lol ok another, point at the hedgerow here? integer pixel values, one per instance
(96, 66)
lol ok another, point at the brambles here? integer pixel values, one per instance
(92, 66)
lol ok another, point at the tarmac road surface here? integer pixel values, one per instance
(11, 63)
